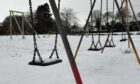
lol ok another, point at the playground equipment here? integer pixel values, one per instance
(64, 39)
(126, 20)
(123, 37)
(93, 4)
(124, 25)
(110, 41)
(96, 46)
(128, 33)
(20, 27)
(66, 42)
(135, 18)
(128, 3)
(40, 61)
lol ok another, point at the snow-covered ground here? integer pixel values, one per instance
(114, 66)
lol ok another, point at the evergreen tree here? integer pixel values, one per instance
(44, 22)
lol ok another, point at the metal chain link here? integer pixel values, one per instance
(56, 37)
(55, 47)
(34, 38)
(36, 49)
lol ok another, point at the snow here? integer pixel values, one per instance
(115, 66)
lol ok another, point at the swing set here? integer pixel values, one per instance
(74, 68)
(42, 62)
(110, 41)
(123, 33)
(109, 33)
(96, 46)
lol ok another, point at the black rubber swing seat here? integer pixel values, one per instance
(95, 49)
(111, 46)
(123, 40)
(46, 62)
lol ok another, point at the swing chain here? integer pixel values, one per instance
(56, 37)
(34, 38)
(36, 49)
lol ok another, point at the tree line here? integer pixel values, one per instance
(109, 18)
(44, 23)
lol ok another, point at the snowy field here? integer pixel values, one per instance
(114, 66)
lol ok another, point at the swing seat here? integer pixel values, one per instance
(46, 62)
(95, 49)
(123, 40)
(110, 46)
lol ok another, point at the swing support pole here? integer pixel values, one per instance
(126, 19)
(66, 43)
(78, 47)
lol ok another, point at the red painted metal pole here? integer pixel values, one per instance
(66, 42)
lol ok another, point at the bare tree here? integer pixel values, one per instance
(122, 11)
(95, 15)
(68, 17)
(107, 16)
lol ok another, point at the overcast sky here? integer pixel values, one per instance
(81, 7)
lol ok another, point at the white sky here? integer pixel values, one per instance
(81, 7)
